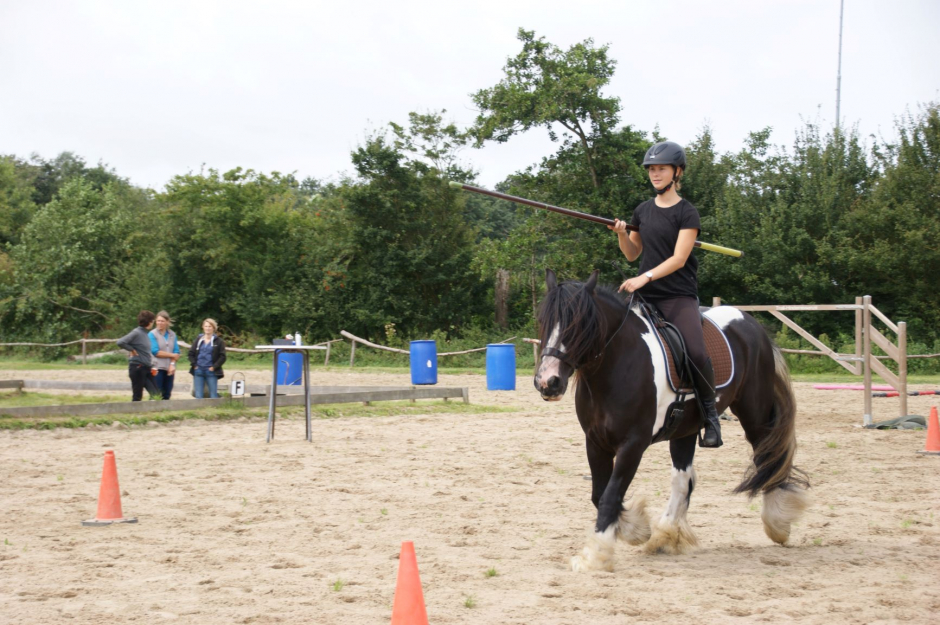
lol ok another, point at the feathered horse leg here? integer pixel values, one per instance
(673, 534)
(614, 520)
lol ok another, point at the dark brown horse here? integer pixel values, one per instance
(621, 401)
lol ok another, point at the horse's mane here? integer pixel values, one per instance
(582, 326)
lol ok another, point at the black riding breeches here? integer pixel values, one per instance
(683, 312)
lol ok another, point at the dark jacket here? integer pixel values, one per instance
(218, 354)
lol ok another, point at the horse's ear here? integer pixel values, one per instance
(550, 280)
(592, 281)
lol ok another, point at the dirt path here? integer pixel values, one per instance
(236, 531)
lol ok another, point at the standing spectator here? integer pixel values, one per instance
(206, 355)
(166, 351)
(137, 342)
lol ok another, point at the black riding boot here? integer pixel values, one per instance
(705, 389)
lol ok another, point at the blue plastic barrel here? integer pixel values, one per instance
(500, 367)
(290, 368)
(423, 362)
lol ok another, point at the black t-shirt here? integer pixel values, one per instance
(659, 229)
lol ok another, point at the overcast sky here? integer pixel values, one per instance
(156, 89)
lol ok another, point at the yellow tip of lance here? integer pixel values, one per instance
(711, 247)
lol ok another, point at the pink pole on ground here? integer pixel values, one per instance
(852, 387)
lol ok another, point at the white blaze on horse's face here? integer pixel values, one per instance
(550, 380)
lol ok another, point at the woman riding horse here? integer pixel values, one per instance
(668, 276)
(624, 400)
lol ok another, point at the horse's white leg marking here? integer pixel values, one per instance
(782, 506)
(664, 395)
(633, 525)
(673, 534)
(724, 315)
(598, 554)
(550, 366)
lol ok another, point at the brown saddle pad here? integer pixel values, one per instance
(719, 350)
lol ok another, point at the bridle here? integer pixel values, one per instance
(560, 355)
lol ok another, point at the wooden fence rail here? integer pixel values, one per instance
(326, 345)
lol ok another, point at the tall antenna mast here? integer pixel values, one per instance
(839, 72)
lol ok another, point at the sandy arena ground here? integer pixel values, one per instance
(233, 530)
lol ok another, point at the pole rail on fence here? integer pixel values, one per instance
(85, 356)
(355, 339)
(862, 362)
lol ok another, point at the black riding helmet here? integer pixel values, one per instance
(666, 153)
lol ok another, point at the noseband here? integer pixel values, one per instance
(560, 355)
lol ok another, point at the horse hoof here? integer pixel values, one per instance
(578, 565)
(582, 564)
(782, 506)
(633, 525)
(672, 539)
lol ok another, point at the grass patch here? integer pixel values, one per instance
(491, 572)
(234, 410)
(470, 602)
(831, 444)
(338, 585)
(14, 398)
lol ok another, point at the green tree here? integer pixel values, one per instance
(891, 252)
(546, 86)
(69, 266)
(235, 245)
(16, 204)
(410, 243)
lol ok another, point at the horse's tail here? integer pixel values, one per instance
(773, 456)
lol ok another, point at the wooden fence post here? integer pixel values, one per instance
(866, 355)
(858, 337)
(902, 366)
(352, 354)
(716, 301)
(84, 353)
(327, 361)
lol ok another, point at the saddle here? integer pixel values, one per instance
(680, 374)
(673, 347)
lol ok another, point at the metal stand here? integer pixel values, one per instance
(272, 403)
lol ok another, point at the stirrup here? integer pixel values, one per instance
(713, 444)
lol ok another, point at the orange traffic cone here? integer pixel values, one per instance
(109, 497)
(408, 608)
(933, 434)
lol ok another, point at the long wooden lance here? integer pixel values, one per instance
(711, 247)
